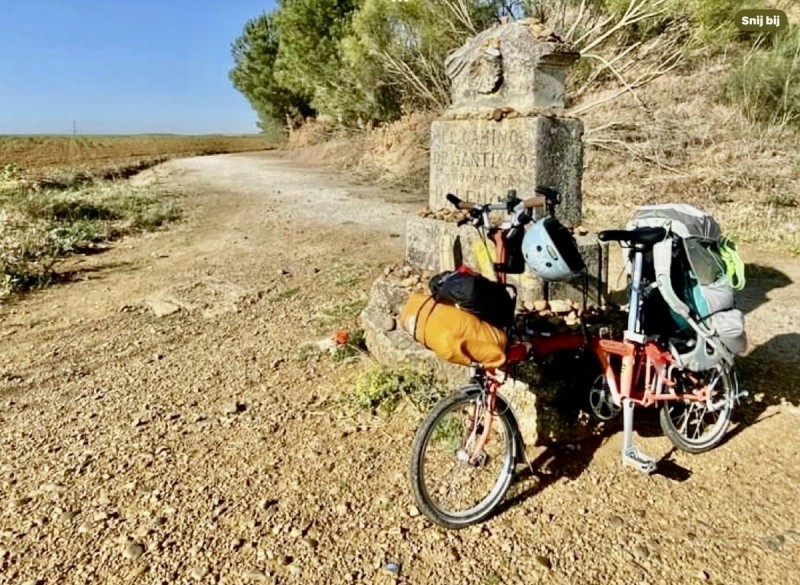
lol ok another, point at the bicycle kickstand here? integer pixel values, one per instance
(631, 455)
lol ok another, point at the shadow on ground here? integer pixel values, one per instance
(770, 373)
(760, 281)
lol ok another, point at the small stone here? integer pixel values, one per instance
(392, 567)
(408, 281)
(543, 561)
(560, 307)
(342, 509)
(67, 517)
(162, 308)
(137, 572)
(133, 551)
(413, 511)
(233, 407)
(540, 305)
(641, 552)
(197, 573)
(22, 501)
(582, 231)
(703, 575)
(616, 521)
(283, 272)
(775, 543)
(100, 517)
(326, 344)
(255, 575)
(389, 324)
(295, 570)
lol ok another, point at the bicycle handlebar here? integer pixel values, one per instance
(478, 213)
(530, 203)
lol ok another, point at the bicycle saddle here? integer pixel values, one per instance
(646, 236)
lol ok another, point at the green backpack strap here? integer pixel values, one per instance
(734, 266)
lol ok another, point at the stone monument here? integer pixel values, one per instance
(505, 129)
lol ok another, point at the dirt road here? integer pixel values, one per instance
(203, 446)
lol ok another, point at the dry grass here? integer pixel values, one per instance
(59, 195)
(688, 146)
(38, 227)
(57, 158)
(395, 154)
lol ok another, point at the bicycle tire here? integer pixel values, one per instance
(701, 445)
(428, 504)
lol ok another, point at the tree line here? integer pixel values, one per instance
(352, 63)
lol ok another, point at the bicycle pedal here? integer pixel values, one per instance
(633, 457)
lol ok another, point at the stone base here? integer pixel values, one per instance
(545, 398)
(437, 245)
(397, 347)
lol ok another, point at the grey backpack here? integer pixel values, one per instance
(688, 271)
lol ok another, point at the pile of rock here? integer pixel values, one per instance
(564, 315)
(407, 277)
(555, 312)
(456, 215)
(451, 215)
(541, 32)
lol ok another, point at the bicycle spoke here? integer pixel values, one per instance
(451, 480)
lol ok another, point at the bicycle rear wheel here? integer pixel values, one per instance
(452, 486)
(696, 427)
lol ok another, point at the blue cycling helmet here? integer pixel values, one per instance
(551, 252)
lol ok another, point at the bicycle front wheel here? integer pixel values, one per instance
(454, 485)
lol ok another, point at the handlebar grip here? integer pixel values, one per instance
(613, 235)
(551, 194)
(538, 201)
(458, 203)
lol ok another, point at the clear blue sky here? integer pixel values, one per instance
(122, 66)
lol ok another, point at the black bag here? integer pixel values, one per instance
(491, 301)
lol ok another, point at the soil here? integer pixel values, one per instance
(205, 446)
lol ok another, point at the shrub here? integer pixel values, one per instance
(38, 227)
(767, 82)
(382, 387)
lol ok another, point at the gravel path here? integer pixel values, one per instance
(202, 446)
